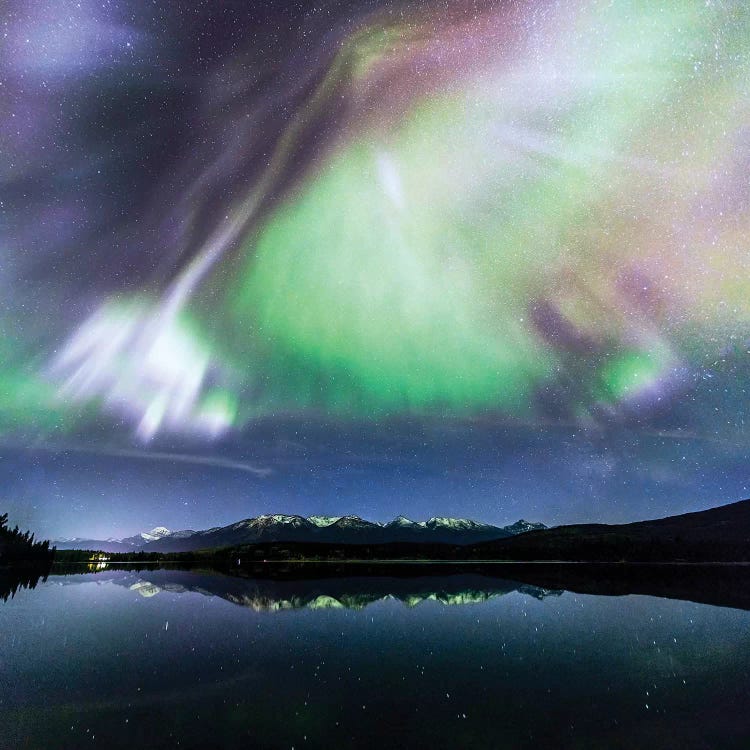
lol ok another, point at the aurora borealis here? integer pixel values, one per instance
(381, 218)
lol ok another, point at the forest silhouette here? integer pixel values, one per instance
(23, 561)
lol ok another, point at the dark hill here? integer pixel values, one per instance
(719, 535)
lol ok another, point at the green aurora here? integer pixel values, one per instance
(405, 268)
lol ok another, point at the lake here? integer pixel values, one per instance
(450, 659)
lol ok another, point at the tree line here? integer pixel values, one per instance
(18, 546)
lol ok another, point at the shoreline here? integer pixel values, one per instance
(416, 561)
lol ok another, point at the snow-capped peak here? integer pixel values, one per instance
(279, 518)
(452, 523)
(522, 526)
(323, 521)
(403, 522)
(157, 532)
(354, 522)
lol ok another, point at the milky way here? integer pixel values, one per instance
(528, 213)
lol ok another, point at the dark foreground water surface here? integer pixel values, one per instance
(175, 658)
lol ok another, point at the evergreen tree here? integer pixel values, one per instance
(18, 547)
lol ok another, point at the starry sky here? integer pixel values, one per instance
(484, 259)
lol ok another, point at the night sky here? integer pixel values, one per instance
(469, 259)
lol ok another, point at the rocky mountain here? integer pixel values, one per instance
(323, 521)
(291, 528)
(105, 545)
(128, 544)
(522, 526)
(146, 536)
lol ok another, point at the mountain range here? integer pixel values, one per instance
(291, 528)
(720, 534)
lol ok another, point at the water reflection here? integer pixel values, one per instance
(285, 586)
(97, 562)
(17, 578)
(374, 656)
(268, 595)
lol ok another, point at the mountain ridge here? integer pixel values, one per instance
(279, 527)
(718, 534)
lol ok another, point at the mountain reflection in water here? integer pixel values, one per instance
(350, 593)
(373, 656)
(289, 586)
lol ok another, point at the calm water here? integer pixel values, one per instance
(184, 659)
